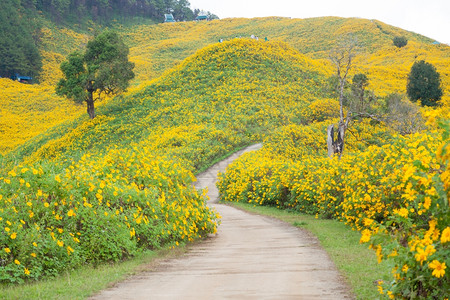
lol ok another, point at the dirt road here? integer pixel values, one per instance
(251, 257)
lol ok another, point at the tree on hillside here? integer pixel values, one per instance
(424, 84)
(105, 11)
(400, 41)
(342, 57)
(103, 69)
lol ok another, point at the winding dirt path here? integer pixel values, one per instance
(251, 257)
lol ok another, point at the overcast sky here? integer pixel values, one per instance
(427, 17)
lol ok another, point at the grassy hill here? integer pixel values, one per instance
(158, 48)
(234, 90)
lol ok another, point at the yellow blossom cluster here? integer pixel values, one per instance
(389, 192)
(54, 217)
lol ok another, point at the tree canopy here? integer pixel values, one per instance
(400, 41)
(107, 10)
(18, 50)
(424, 84)
(20, 20)
(103, 69)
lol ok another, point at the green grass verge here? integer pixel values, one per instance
(356, 262)
(84, 282)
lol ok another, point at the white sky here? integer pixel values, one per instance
(427, 17)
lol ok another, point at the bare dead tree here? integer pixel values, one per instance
(342, 57)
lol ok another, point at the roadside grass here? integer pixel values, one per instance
(356, 262)
(85, 282)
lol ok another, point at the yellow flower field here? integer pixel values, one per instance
(67, 180)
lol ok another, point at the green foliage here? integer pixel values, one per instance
(54, 219)
(107, 63)
(103, 69)
(18, 50)
(400, 41)
(424, 84)
(105, 11)
(73, 85)
(358, 87)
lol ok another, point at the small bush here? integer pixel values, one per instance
(400, 41)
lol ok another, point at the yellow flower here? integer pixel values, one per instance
(365, 237)
(402, 212)
(57, 178)
(33, 254)
(99, 197)
(438, 268)
(60, 243)
(7, 250)
(421, 255)
(427, 202)
(17, 262)
(445, 236)
(26, 271)
(405, 268)
(7, 229)
(69, 250)
(380, 289)
(71, 213)
(13, 235)
(34, 244)
(367, 222)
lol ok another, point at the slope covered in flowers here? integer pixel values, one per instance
(28, 110)
(157, 48)
(128, 172)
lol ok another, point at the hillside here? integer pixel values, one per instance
(224, 90)
(157, 48)
(129, 171)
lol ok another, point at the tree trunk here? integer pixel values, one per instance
(330, 140)
(90, 105)
(336, 146)
(340, 139)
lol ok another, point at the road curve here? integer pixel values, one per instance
(251, 257)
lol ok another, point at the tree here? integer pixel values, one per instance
(400, 41)
(360, 99)
(342, 57)
(103, 69)
(402, 115)
(424, 84)
(18, 50)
